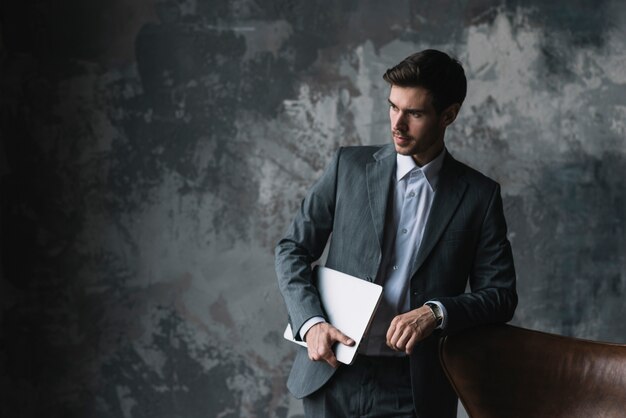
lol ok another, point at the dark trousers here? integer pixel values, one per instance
(370, 387)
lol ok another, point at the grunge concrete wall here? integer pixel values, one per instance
(154, 151)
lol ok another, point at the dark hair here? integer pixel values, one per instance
(435, 71)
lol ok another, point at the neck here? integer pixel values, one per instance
(430, 154)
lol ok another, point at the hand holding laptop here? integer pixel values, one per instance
(349, 303)
(321, 338)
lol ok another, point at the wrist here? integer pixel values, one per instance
(308, 325)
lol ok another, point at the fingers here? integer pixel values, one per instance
(329, 357)
(407, 329)
(391, 331)
(401, 336)
(323, 353)
(399, 333)
(320, 340)
(408, 349)
(340, 337)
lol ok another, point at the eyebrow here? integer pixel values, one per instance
(407, 110)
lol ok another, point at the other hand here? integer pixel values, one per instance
(320, 339)
(409, 328)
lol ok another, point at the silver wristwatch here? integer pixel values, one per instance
(436, 311)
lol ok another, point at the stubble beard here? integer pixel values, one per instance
(413, 147)
(410, 147)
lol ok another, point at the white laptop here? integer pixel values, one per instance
(350, 304)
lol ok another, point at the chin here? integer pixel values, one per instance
(404, 150)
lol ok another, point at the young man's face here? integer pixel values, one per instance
(416, 127)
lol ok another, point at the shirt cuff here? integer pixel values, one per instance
(308, 324)
(444, 320)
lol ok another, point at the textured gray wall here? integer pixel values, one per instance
(153, 153)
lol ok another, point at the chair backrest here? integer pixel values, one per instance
(501, 371)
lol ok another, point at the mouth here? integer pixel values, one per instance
(401, 140)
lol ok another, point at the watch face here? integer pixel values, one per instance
(438, 314)
(437, 311)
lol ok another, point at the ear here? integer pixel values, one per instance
(449, 114)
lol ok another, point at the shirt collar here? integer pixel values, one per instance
(406, 164)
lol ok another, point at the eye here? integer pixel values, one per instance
(415, 114)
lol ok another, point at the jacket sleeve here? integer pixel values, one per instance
(303, 244)
(493, 296)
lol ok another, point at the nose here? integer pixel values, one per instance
(398, 121)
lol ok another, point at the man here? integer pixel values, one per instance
(411, 218)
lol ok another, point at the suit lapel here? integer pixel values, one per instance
(450, 190)
(379, 176)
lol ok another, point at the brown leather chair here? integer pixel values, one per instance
(501, 371)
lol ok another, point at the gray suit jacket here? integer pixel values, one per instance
(464, 239)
